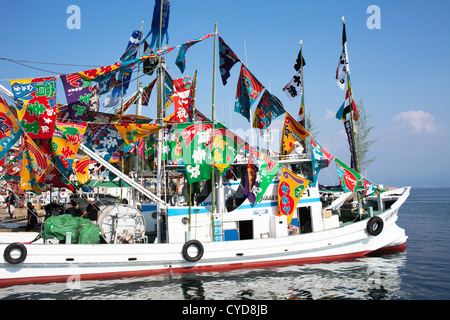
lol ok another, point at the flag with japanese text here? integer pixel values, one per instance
(80, 94)
(225, 147)
(269, 107)
(294, 88)
(196, 144)
(10, 130)
(343, 67)
(261, 170)
(290, 189)
(227, 60)
(248, 90)
(35, 103)
(348, 177)
(66, 140)
(292, 132)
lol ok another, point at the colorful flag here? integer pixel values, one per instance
(348, 105)
(320, 158)
(349, 178)
(301, 112)
(292, 131)
(160, 20)
(261, 170)
(196, 142)
(106, 141)
(182, 99)
(343, 67)
(147, 92)
(35, 104)
(102, 73)
(131, 132)
(227, 60)
(81, 168)
(225, 147)
(10, 130)
(370, 188)
(269, 107)
(39, 162)
(80, 94)
(290, 190)
(181, 58)
(248, 90)
(167, 89)
(66, 140)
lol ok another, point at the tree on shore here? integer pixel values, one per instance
(362, 130)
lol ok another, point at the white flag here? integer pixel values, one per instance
(343, 67)
(294, 87)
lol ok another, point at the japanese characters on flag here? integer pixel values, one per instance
(290, 190)
(81, 95)
(35, 103)
(343, 67)
(294, 87)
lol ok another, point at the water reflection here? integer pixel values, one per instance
(364, 278)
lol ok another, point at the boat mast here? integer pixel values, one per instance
(351, 102)
(160, 117)
(213, 126)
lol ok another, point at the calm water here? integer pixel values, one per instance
(421, 272)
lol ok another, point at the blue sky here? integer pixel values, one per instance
(401, 71)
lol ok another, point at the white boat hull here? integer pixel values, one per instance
(68, 262)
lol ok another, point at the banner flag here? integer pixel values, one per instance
(248, 90)
(131, 132)
(291, 133)
(10, 130)
(290, 190)
(343, 67)
(261, 170)
(370, 188)
(66, 140)
(35, 103)
(181, 58)
(349, 178)
(158, 20)
(227, 60)
(269, 107)
(80, 94)
(320, 158)
(225, 147)
(81, 168)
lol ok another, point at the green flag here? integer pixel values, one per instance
(349, 178)
(225, 147)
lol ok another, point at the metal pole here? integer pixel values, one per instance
(213, 125)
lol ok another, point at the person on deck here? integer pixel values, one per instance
(11, 202)
(92, 211)
(32, 217)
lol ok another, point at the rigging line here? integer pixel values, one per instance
(51, 63)
(22, 64)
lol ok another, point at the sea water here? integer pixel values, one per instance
(420, 272)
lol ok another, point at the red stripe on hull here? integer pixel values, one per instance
(209, 268)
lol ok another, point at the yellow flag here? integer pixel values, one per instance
(292, 131)
(133, 132)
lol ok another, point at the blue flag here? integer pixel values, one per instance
(157, 21)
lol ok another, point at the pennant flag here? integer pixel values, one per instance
(294, 87)
(182, 99)
(80, 94)
(38, 161)
(225, 147)
(269, 107)
(348, 105)
(349, 178)
(35, 103)
(290, 190)
(348, 130)
(10, 130)
(261, 170)
(105, 141)
(159, 20)
(370, 188)
(133, 132)
(292, 132)
(81, 168)
(248, 90)
(343, 67)
(66, 140)
(320, 158)
(227, 60)
(101, 74)
(147, 92)
(195, 142)
(301, 112)
(28, 178)
(181, 58)
(167, 89)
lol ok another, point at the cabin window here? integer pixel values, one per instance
(245, 229)
(304, 215)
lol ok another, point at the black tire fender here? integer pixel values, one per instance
(200, 250)
(374, 226)
(15, 246)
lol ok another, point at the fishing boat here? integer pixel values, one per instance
(225, 229)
